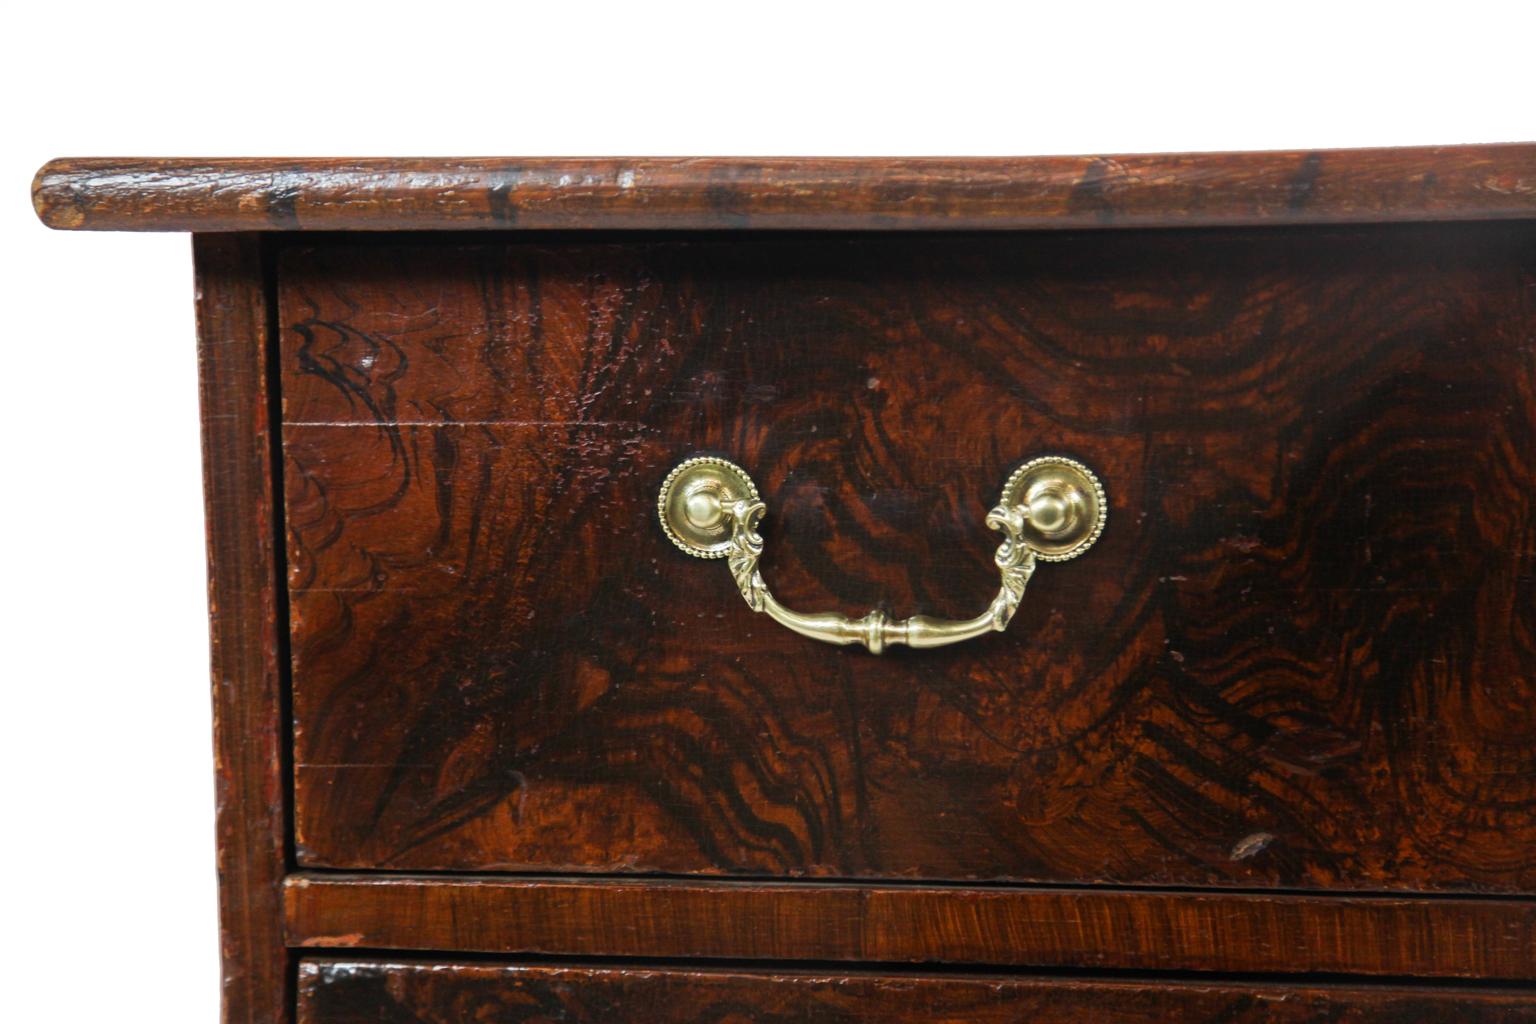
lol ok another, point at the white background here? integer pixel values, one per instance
(106, 827)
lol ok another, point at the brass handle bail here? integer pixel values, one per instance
(1052, 509)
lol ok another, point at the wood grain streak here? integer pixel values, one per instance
(1302, 656)
(1105, 928)
(369, 992)
(243, 582)
(1439, 183)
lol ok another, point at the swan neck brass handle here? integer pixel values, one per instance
(1052, 509)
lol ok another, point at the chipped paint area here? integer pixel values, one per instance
(349, 939)
(1251, 845)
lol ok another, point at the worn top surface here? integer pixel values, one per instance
(386, 194)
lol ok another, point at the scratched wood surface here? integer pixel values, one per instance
(1429, 183)
(366, 992)
(1302, 655)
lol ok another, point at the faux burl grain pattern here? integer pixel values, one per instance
(1302, 655)
(368, 992)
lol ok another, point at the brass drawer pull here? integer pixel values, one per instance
(1052, 509)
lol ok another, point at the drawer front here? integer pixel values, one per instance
(1303, 653)
(363, 992)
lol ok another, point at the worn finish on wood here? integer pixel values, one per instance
(1303, 654)
(243, 582)
(1440, 183)
(1138, 930)
(367, 992)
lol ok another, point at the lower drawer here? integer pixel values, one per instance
(335, 991)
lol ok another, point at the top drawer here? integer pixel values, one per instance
(1303, 653)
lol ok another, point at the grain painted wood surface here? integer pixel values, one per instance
(1005, 925)
(1432, 183)
(1302, 656)
(244, 582)
(368, 992)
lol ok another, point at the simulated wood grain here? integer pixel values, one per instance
(243, 586)
(367, 992)
(1438, 183)
(1004, 926)
(1302, 656)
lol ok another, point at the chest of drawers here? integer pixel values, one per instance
(1257, 741)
